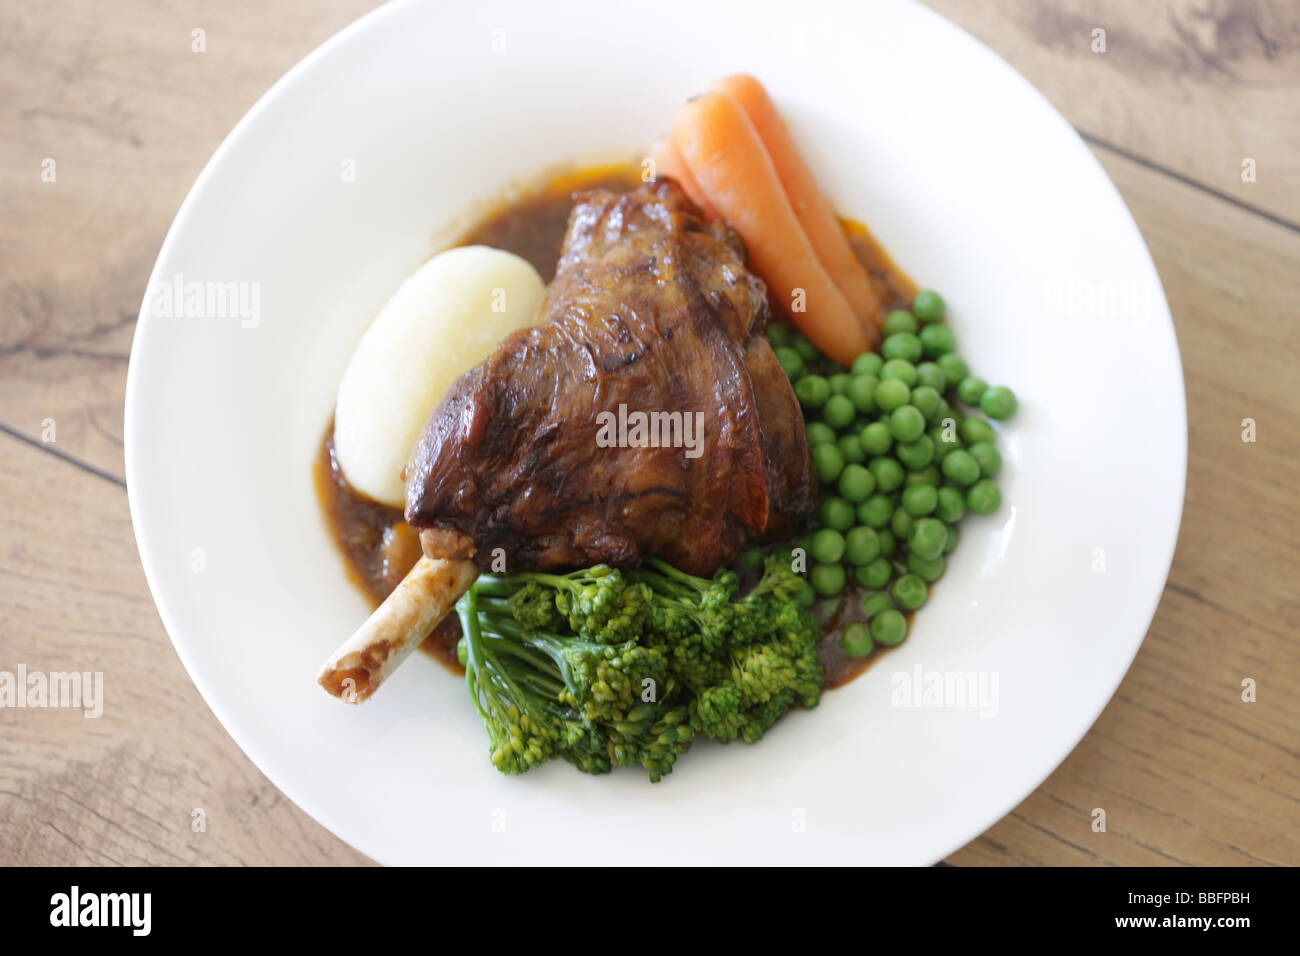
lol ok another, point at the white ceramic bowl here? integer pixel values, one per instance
(964, 172)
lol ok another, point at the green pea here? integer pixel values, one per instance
(819, 433)
(951, 544)
(876, 438)
(874, 575)
(839, 383)
(873, 604)
(900, 320)
(887, 542)
(984, 497)
(892, 393)
(901, 369)
(829, 462)
(986, 454)
(850, 447)
(861, 391)
(943, 446)
(943, 411)
(778, 334)
(804, 346)
(856, 483)
(812, 391)
(973, 430)
(839, 411)
(937, 340)
(920, 500)
(931, 376)
(861, 545)
(909, 592)
(806, 597)
(828, 580)
(927, 538)
(951, 506)
(901, 345)
(999, 403)
(926, 401)
(868, 363)
(752, 557)
(887, 472)
(876, 511)
(827, 546)
(916, 455)
(928, 306)
(791, 361)
(856, 640)
(927, 569)
(929, 475)
(953, 368)
(971, 389)
(901, 524)
(906, 423)
(889, 628)
(836, 513)
(960, 468)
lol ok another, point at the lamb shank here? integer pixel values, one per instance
(643, 414)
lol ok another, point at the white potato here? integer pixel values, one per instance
(440, 323)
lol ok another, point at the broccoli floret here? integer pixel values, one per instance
(608, 669)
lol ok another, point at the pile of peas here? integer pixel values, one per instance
(898, 463)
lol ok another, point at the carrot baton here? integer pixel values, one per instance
(725, 155)
(810, 204)
(669, 162)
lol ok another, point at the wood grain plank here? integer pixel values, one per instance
(122, 788)
(1196, 86)
(115, 95)
(1186, 771)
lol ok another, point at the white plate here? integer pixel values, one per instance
(964, 172)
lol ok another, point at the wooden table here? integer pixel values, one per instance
(1183, 94)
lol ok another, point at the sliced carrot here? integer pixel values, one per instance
(725, 155)
(669, 162)
(810, 204)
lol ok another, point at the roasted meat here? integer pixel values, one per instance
(645, 413)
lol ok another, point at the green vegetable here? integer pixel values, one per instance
(778, 335)
(953, 368)
(971, 389)
(827, 546)
(900, 369)
(804, 346)
(889, 628)
(827, 579)
(892, 393)
(850, 447)
(927, 538)
(868, 363)
(876, 438)
(876, 511)
(900, 320)
(926, 400)
(986, 454)
(888, 473)
(916, 455)
(812, 391)
(838, 411)
(836, 513)
(660, 657)
(901, 345)
(856, 483)
(951, 506)
(974, 430)
(752, 557)
(920, 500)
(984, 497)
(931, 375)
(861, 391)
(861, 545)
(874, 575)
(829, 461)
(873, 604)
(791, 361)
(999, 402)
(906, 423)
(909, 592)
(927, 569)
(937, 340)
(960, 468)
(929, 475)
(901, 523)
(856, 640)
(839, 383)
(819, 433)
(928, 306)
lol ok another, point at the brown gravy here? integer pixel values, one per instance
(379, 547)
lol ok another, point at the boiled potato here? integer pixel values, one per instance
(443, 320)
